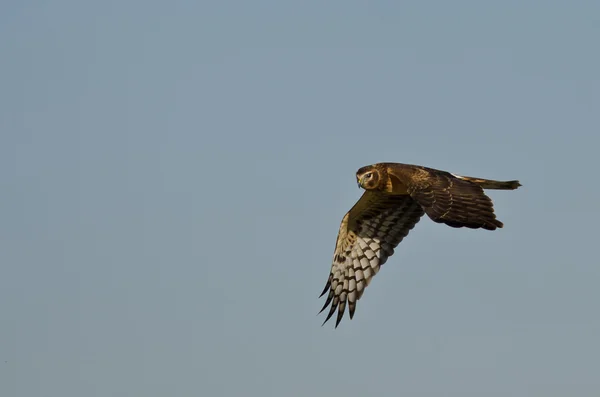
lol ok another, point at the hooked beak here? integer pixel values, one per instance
(358, 182)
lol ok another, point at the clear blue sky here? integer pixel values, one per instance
(174, 173)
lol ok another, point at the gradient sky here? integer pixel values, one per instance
(174, 173)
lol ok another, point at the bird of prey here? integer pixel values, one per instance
(396, 197)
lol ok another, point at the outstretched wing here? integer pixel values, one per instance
(368, 234)
(451, 200)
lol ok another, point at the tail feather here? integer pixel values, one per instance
(491, 184)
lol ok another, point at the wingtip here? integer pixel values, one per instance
(330, 314)
(323, 308)
(327, 285)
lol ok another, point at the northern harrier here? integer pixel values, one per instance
(396, 197)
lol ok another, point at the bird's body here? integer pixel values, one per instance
(396, 197)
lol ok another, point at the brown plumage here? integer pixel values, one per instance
(396, 197)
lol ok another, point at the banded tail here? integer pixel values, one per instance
(491, 184)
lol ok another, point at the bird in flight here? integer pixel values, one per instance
(396, 197)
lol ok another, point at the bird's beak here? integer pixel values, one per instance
(358, 181)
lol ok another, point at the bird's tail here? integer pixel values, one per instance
(491, 184)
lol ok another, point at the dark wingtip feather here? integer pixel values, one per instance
(327, 301)
(338, 319)
(351, 308)
(333, 307)
(327, 285)
(340, 315)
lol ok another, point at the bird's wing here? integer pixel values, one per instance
(368, 234)
(448, 199)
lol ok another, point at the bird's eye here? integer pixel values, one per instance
(369, 175)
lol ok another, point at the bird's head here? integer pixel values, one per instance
(368, 177)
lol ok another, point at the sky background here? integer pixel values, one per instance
(173, 175)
